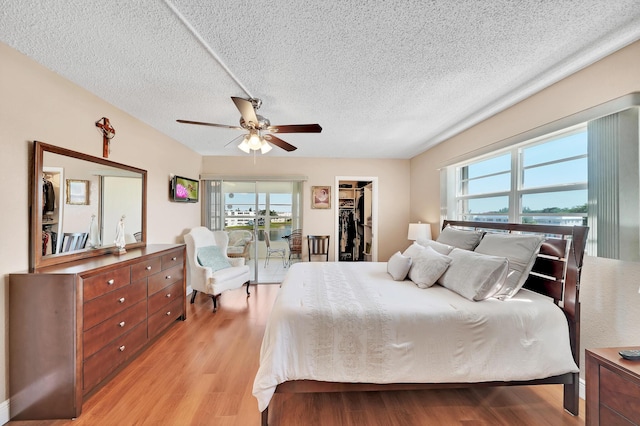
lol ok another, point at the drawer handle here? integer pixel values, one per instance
(174, 258)
(110, 282)
(148, 268)
(168, 295)
(121, 348)
(121, 300)
(168, 313)
(168, 277)
(121, 324)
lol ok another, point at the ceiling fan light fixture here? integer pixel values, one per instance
(256, 125)
(254, 141)
(265, 147)
(244, 145)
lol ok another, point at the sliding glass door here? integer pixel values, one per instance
(267, 211)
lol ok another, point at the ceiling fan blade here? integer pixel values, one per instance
(296, 128)
(279, 143)
(209, 124)
(246, 110)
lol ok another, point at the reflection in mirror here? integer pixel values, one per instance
(121, 197)
(82, 200)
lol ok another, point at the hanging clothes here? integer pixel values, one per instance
(347, 234)
(48, 197)
(47, 243)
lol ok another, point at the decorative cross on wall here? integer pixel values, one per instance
(108, 132)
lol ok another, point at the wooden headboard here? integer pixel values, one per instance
(556, 272)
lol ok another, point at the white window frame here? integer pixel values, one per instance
(516, 191)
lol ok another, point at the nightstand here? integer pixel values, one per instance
(613, 388)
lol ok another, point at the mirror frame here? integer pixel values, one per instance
(36, 260)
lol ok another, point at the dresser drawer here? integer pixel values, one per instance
(98, 310)
(619, 394)
(175, 258)
(146, 268)
(159, 281)
(164, 297)
(97, 337)
(104, 362)
(165, 317)
(104, 283)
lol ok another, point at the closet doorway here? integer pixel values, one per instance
(356, 201)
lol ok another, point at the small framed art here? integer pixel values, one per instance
(320, 197)
(77, 191)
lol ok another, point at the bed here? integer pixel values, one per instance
(348, 326)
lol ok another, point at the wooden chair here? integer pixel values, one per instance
(274, 251)
(318, 246)
(72, 241)
(295, 244)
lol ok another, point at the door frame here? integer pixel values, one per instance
(374, 213)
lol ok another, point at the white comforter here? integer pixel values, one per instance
(350, 322)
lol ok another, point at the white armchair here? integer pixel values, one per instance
(204, 279)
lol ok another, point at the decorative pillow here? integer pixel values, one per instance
(459, 238)
(521, 250)
(428, 267)
(398, 266)
(439, 247)
(413, 250)
(212, 257)
(473, 275)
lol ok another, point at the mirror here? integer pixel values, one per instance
(77, 203)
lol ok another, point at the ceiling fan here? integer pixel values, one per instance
(260, 128)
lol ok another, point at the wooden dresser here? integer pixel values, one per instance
(73, 326)
(612, 387)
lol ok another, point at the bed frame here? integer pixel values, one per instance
(556, 273)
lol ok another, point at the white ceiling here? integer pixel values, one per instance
(385, 79)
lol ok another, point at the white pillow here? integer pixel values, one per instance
(473, 275)
(459, 238)
(413, 250)
(521, 250)
(398, 266)
(428, 267)
(439, 247)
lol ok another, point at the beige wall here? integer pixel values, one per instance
(609, 292)
(36, 104)
(393, 190)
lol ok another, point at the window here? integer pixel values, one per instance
(580, 170)
(541, 181)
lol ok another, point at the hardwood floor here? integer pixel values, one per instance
(201, 373)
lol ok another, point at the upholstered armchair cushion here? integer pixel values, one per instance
(212, 257)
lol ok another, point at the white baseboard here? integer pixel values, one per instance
(4, 411)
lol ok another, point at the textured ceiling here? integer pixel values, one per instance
(385, 79)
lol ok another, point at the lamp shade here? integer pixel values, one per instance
(419, 230)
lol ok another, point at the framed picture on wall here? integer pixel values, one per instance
(77, 191)
(320, 197)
